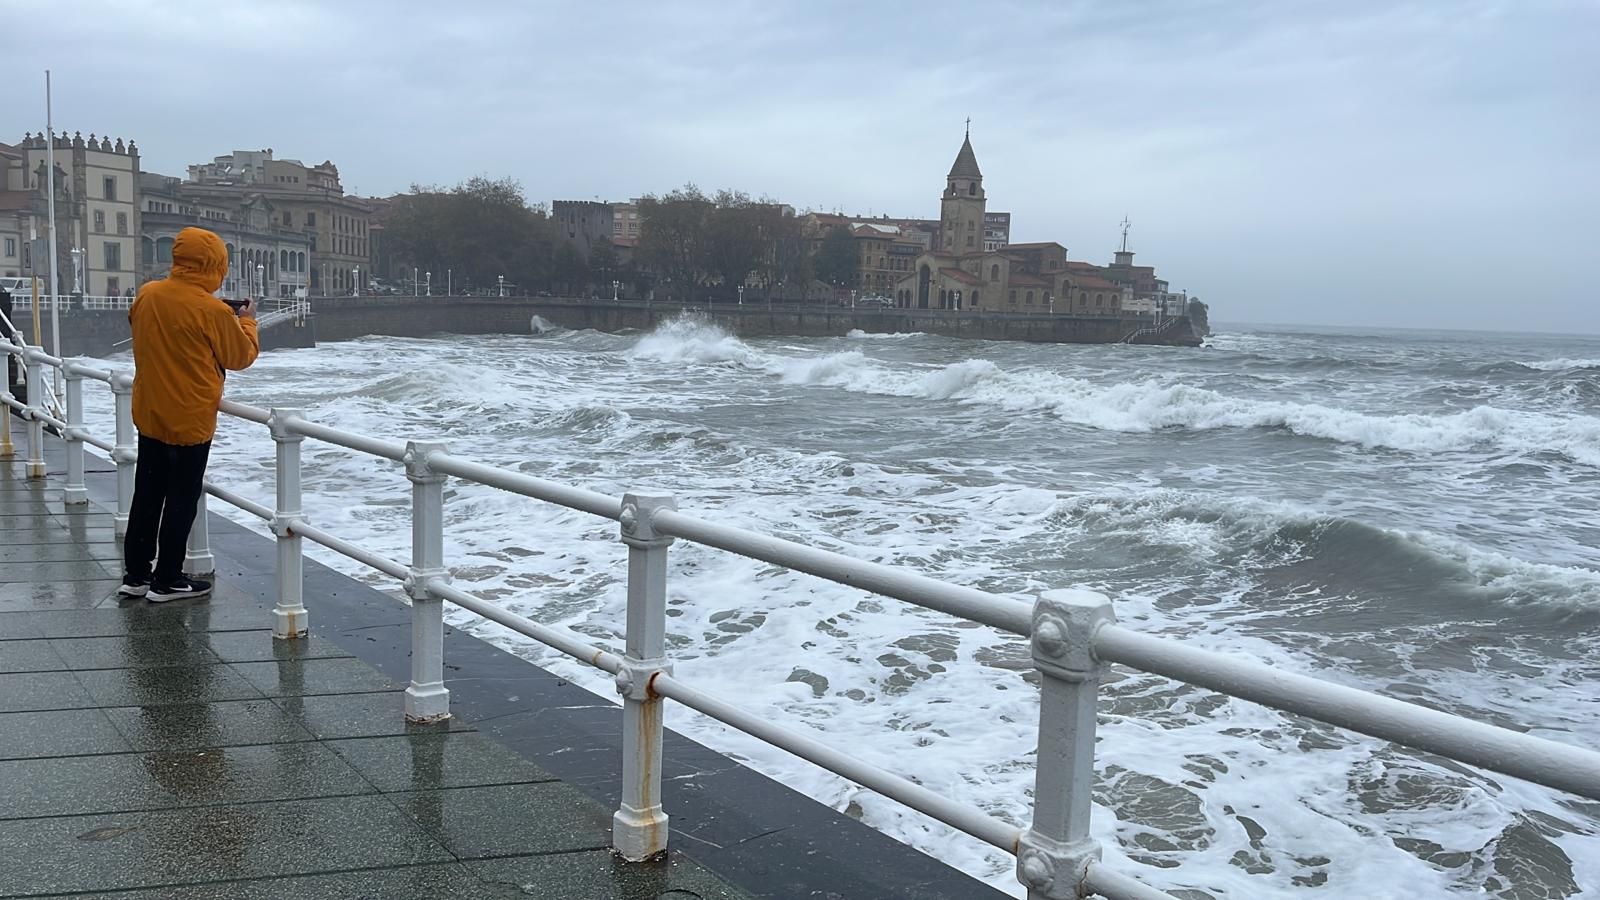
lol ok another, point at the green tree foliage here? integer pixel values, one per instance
(694, 243)
(481, 228)
(835, 262)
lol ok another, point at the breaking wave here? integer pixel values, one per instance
(1144, 406)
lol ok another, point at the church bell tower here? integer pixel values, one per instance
(962, 206)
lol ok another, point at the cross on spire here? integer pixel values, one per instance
(1125, 226)
(969, 126)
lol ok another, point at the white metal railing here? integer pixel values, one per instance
(1073, 634)
(275, 311)
(68, 301)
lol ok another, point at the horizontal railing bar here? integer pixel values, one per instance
(1546, 762)
(591, 502)
(227, 496)
(41, 415)
(245, 411)
(12, 401)
(967, 603)
(358, 442)
(97, 443)
(1114, 885)
(359, 554)
(77, 368)
(569, 644)
(963, 818)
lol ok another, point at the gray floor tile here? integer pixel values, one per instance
(440, 760)
(290, 678)
(58, 595)
(128, 782)
(259, 646)
(105, 622)
(74, 570)
(49, 535)
(358, 715)
(17, 521)
(190, 725)
(136, 651)
(64, 550)
(161, 685)
(477, 822)
(127, 850)
(599, 875)
(426, 882)
(58, 733)
(30, 656)
(43, 690)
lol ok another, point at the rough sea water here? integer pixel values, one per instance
(1411, 512)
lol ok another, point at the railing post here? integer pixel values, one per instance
(639, 827)
(1055, 854)
(427, 699)
(7, 450)
(289, 617)
(35, 408)
(197, 559)
(126, 451)
(76, 493)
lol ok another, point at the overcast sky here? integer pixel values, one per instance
(1349, 162)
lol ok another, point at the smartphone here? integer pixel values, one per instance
(236, 304)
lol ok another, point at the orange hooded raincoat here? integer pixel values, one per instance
(183, 339)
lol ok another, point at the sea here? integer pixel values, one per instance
(1410, 512)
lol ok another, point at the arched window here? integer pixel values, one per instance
(147, 250)
(283, 260)
(974, 298)
(1029, 300)
(1083, 298)
(1099, 299)
(972, 189)
(994, 272)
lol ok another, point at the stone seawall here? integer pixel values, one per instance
(350, 317)
(105, 332)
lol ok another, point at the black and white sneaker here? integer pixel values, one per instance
(133, 587)
(179, 588)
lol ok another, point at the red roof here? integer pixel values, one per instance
(1023, 279)
(16, 199)
(1093, 283)
(1036, 245)
(961, 275)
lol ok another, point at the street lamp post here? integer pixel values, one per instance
(355, 289)
(427, 284)
(416, 283)
(741, 296)
(615, 287)
(500, 283)
(449, 282)
(261, 279)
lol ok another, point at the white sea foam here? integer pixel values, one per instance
(856, 334)
(1562, 364)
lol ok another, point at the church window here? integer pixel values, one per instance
(994, 272)
(972, 189)
(1029, 300)
(969, 240)
(1099, 299)
(974, 298)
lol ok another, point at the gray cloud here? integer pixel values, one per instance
(1425, 164)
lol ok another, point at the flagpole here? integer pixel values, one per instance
(55, 263)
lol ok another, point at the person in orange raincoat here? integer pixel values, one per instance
(184, 338)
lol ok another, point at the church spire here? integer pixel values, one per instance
(966, 164)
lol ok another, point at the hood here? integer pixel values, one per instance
(199, 257)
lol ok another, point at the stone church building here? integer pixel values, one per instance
(958, 273)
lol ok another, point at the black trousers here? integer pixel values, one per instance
(166, 489)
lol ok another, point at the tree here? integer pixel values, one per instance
(568, 270)
(733, 244)
(482, 229)
(672, 237)
(835, 262)
(603, 266)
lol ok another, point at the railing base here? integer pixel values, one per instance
(290, 624)
(638, 836)
(427, 704)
